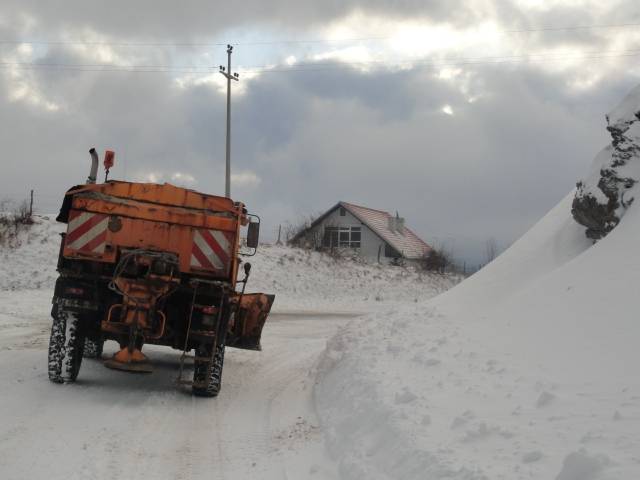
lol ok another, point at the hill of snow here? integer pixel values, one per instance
(528, 369)
(302, 280)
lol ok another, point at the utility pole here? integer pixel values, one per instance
(230, 76)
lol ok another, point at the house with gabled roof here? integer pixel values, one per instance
(375, 235)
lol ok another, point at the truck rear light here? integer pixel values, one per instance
(74, 290)
(209, 310)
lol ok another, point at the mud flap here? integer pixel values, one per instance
(245, 329)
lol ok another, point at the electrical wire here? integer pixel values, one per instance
(320, 66)
(294, 41)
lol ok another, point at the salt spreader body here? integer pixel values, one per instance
(144, 263)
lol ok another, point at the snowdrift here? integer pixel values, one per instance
(301, 279)
(526, 370)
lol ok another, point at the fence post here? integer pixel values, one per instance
(31, 205)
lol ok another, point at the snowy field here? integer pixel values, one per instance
(265, 422)
(526, 370)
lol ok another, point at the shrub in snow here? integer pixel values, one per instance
(436, 260)
(602, 199)
(13, 222)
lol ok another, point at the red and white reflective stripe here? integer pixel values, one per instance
(87, 232)
(211, 249)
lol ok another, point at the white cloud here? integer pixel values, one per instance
(179, 179)
(359, 56)
(217, 81)
(245, 179)
(22, 84)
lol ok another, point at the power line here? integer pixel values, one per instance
(293, 41)
(319, 66)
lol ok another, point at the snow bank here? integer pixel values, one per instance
(305, 280)
(526, 370)
(302, 280)
(30, 263)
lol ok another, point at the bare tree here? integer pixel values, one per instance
(294, 229)
(491, 249)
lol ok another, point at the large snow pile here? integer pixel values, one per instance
(529, 369)
(302, 280)
(603, 197)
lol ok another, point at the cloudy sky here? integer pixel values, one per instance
(470, 118)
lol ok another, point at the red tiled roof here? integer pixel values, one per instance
(406, 242)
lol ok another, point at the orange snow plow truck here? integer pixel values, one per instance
(144, 263)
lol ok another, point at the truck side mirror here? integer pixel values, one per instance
(253, 234)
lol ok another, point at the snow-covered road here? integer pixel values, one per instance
(112, 424)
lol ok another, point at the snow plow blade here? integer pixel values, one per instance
(246, 329)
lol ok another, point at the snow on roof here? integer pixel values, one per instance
(404, 241)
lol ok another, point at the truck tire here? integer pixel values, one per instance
(208, 385)
(66, 346)
(93, 348)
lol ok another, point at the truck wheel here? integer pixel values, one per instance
(93, 349)
(208, 385)
(65, 347)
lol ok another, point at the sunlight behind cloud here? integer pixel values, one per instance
(245, 179)
(217, 81)
(357, 54)
(179, 179)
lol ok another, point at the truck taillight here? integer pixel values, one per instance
(209, 310)
(74, 290)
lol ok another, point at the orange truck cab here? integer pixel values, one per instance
(144, 263)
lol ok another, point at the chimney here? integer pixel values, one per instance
(396, 224)
(392, 223)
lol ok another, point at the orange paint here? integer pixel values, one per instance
(161, 218)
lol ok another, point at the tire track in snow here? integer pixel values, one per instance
(112, 424)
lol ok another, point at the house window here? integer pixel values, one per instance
(344, 237)
(343, 212)
(390, 252)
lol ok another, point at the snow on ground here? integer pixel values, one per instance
(31, 263)
(526, 370)
(110, 424)
(312, 281)
(302, 280)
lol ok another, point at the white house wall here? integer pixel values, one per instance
(369, 241)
